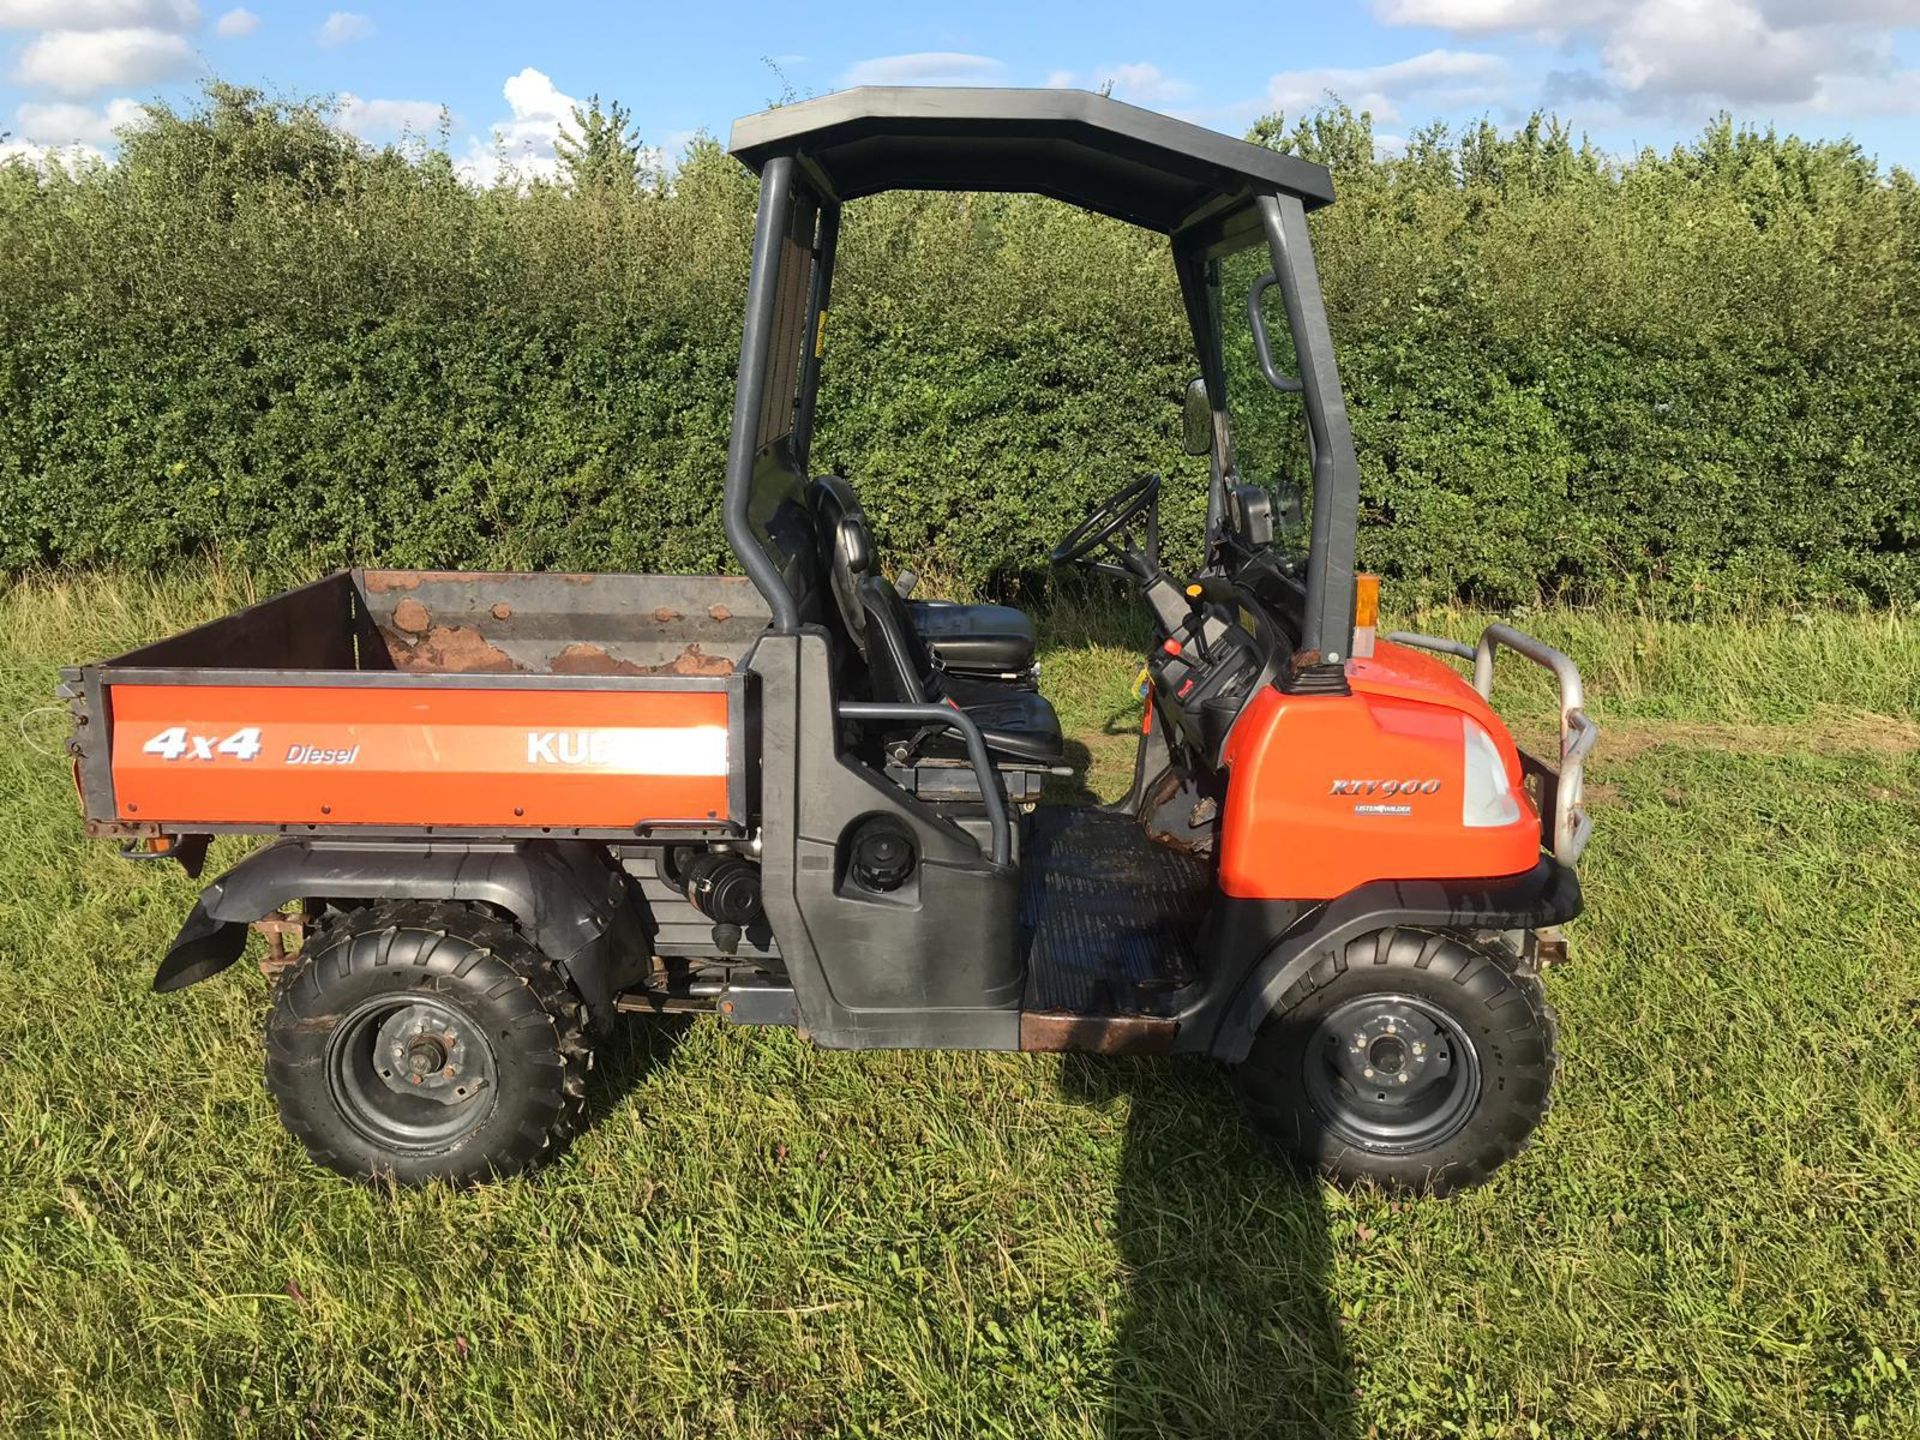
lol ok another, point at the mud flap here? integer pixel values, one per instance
(203, 948)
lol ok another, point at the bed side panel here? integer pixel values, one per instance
(516, 758)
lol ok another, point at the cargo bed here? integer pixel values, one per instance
(492, 704)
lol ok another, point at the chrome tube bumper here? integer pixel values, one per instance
(1564, 822)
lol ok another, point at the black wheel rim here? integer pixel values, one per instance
(411, 1074)
(1391, 1073)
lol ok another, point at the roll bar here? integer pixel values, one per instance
(950, 718)
(750, 385)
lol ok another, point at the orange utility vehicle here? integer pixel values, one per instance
(510, 807)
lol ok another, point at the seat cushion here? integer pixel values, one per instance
(989, 639)
(1018, 725)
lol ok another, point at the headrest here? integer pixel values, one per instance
(833, 497)
(855, 545)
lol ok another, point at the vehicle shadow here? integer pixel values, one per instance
(626, 1054)
(1227, 1326)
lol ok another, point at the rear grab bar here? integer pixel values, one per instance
(1565, 823)
(950, 718)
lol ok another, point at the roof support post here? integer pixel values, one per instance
(1328, 622)
(763, 289)
(1199, 290)
(825, 245)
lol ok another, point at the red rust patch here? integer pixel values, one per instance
(1098, 1034)
(448, 650)
(583, 659)
(665, 616)
(411, 616)
(501, 611)
(694, 661)
(720, 613)
(379, 582)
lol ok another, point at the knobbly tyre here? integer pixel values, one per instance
(511, 807)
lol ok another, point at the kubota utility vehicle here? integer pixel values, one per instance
(511, 807)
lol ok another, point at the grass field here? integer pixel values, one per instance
(1715, 1233)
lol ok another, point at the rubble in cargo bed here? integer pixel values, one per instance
(463, 650)
(584, 659)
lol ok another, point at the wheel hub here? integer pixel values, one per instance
(427, 1051)
(1392, 1048)
(1391, 1073)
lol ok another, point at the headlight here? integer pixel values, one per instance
(1487, 797)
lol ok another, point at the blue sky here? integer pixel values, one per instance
(1628, 72)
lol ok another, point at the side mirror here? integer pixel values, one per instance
(1196, 420)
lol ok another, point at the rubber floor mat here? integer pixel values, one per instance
(1109, 918)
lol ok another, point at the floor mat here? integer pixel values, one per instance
(1109, 918)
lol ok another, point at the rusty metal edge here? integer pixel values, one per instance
(1097, 1034)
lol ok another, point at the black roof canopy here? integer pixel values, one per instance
(1085, 149)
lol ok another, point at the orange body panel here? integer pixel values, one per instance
(1328, 792)
(401, 755)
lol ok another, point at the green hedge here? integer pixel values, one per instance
(1688, 377)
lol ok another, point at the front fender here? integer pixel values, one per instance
(563, 894)
(1548, 894)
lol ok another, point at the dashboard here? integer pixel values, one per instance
(1203, 670)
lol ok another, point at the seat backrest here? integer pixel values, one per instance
(845, 551)
(784, 527)
(898, 661)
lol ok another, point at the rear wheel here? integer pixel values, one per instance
(1418, 1060)
(416, 1042)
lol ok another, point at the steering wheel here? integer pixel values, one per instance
(1110, 519)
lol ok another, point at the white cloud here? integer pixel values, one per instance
(523, 144)
(926, 67)
(1678, 55)
(1441, 78)
(381, 119)
(1726, 48)
(343, 27)
(83, 62)
(1491, 17)
(1147, 84)
(61, 124)
(98, 14)
(236, 24)
(1142, 83)
(1896, 93)
(67, 157)
(674, 147)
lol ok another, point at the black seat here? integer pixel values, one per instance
(975, 639)
(988, 641)
(1017, 725)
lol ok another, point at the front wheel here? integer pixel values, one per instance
(418, 1042)
(1418, 1060)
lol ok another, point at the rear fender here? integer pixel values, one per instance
(1549, 894)
(571, 903)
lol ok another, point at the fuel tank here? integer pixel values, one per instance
(1412, 776)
